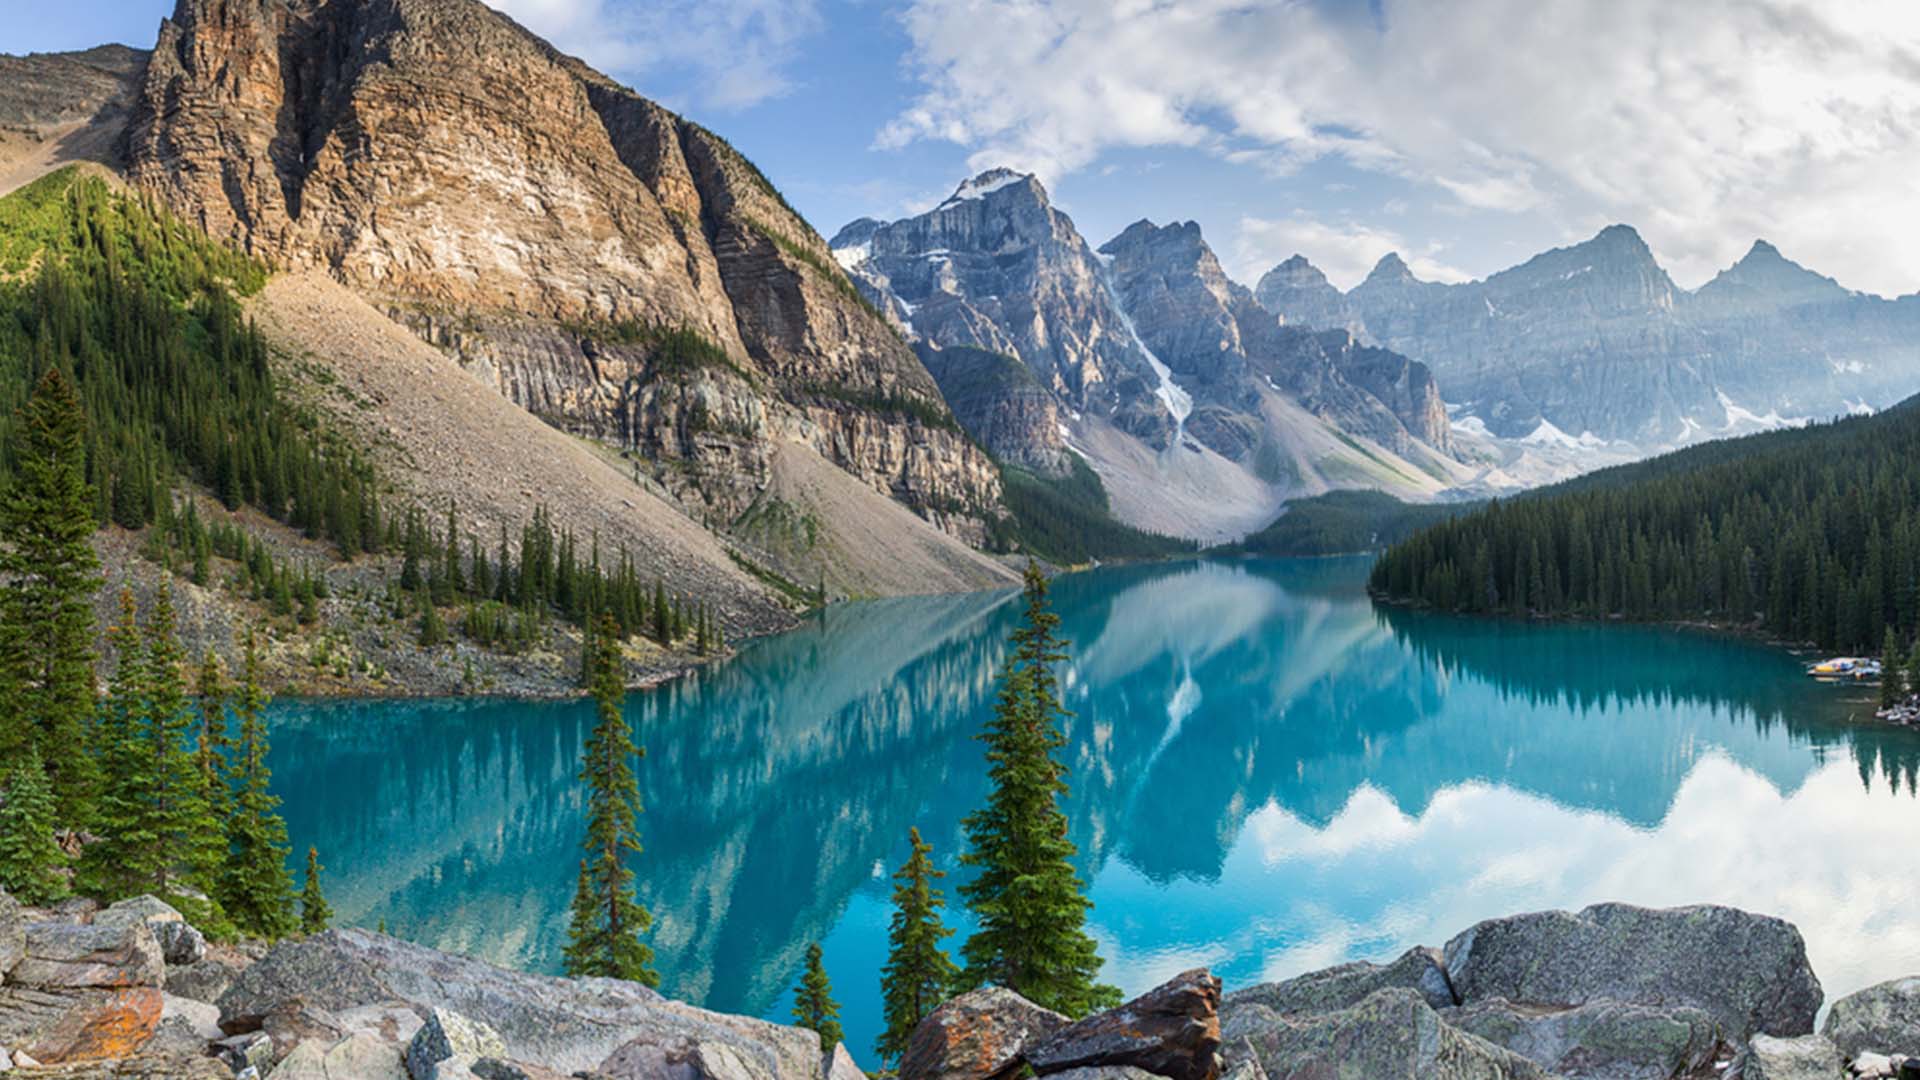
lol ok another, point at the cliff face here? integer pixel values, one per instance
(996, 267)
(1211, 331)
(549, 228)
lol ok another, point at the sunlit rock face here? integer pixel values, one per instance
(1595, 340)
(539, 221)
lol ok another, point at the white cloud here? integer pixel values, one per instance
(1343, 252)
(738, 50)
(1705, 123)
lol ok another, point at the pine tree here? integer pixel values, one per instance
(113, 865)
(1889, 670)
(918, 972)
(257, 891)
(31, 860)
(813, 1004)
(179, 818)
(604, 938)
(315, 914)
(46, 611)
(1913, 667)
(1026, 898)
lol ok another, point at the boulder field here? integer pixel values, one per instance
(1612, 992)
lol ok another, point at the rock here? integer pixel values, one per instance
(1347, 985)
(293, 1023)
(393, 1022)
(13, 934)
(1105, 1072)
(1749, 972)
(24, 1060)
(357, 1057)
(1600, 1040)
(563, 1024)
(142, 1066)
(179, 942)
(495, 1069)
(976, 1035)
(101, 1027)
(203, 981)
(1806, 1057)
(254, 1049)
(1172, 1030)
(1868, 1065)
(62, 954)
(1882, 1017)
(840, 1065)
(448, 1034)
(1392, 1035)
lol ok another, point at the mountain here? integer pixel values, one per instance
(614, 269)
(1200, 414)
(60, 108)
(1594, 344)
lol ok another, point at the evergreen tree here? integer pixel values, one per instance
(179, 818)
(813, 1004)
(918, 973)
(1026, 898)
(315, 913)
(31, 861)
(604, 938)
(210, 763)
(46, 611)
(257, 891)
(115, 864)
(1913, 667)
(1889, 670)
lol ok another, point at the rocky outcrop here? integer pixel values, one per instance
(1805, 1057)
(1346, 985)
(1172, 1030)
(1601, 1040)
(1300, 295)
(1391, 1034)
(1749, 972)
(62, 955)
(1002, 406)
(980, 1035)
(1884, 1017)
(612, 267)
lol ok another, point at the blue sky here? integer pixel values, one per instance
(1467, 136)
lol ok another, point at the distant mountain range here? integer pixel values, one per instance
(1199, 411)
(1593, 343)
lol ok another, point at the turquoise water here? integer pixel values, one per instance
(1269, 776)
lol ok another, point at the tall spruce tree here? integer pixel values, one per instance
(256, 891)
(1026, 898)
(31, 860)
(46, 611)
(180, 821)
(604, 938)
(315, 912)
(813, 1004)
(918, 974)
(115, 864)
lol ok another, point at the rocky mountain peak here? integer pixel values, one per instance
(1764, 276)
(994, 182)
(1391, 269)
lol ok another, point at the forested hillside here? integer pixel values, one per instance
(1811, 535)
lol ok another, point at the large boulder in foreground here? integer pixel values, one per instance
(113, 955)
(567, 1025)
(1884, 1018)
(1172, 1031)
(1749, 972)
(13, 933)
(1391, 1035)
(979, 1035)
(1346, 985)
(1600, 1040)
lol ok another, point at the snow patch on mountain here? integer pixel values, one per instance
(1548, 435)
(982, 186)
(1170, 393)
(852, 255)
(1737, 415)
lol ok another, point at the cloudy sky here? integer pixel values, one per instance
(1466, 135)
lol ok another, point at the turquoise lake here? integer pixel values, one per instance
(1269, 775)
